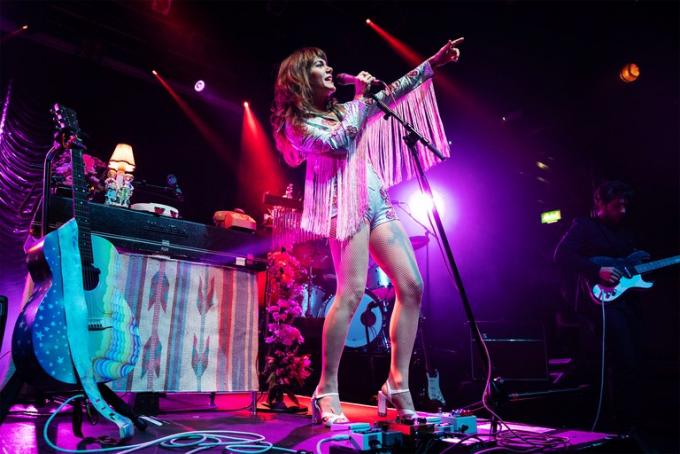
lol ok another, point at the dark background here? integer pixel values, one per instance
(550, 68)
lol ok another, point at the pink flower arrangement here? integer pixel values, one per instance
(284, 368)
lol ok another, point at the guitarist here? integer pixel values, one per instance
(605, 234)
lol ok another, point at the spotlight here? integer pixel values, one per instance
(245, 104)
(629, 73)
(199, 85)
(368, 21)
(153, 71)
(25, 27)
(542, 165)
(421, 205)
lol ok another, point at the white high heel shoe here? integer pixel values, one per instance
(385, 396)
(326, 418)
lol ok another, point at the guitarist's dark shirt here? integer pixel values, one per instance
(590, 237)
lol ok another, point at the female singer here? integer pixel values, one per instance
(350, 162)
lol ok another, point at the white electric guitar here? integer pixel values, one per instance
(434, 393)
(631, 269)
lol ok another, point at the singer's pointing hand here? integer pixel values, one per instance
(448, 53)
(362, 84)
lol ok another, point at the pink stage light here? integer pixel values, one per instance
(199, 86)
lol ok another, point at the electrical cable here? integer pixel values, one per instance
(231, 440)
(329, 439)
(541, 439)
(487, 355)
(599, 403)
(460, 441)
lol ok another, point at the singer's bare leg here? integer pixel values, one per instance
(392, 250)
(351, 263)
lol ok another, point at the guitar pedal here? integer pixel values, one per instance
(465, 424)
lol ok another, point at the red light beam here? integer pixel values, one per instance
(448, 87)
(259, 168)
(406, 52)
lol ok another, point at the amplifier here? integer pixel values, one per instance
(517, 349)
(147, 233)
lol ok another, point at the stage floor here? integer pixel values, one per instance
(23, 428)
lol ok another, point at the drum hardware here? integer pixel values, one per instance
(367, 328)
(419, 241)
(313, 296)
(378, 283)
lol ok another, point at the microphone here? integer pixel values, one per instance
(348, 79)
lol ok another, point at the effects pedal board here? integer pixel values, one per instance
(407, 435)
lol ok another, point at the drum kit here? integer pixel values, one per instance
(369, 326)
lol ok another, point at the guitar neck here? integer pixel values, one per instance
(657, 264)
(81, 207)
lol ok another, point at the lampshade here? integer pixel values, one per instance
(122, 158)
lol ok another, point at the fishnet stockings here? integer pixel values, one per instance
(391, 249)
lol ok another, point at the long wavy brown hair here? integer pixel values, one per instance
(293, 98)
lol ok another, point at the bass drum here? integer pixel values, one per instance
(367, 324)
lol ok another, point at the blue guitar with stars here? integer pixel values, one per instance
(76, 327)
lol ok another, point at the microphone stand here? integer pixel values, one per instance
(412, 138)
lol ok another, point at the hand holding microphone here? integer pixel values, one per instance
(362, 82)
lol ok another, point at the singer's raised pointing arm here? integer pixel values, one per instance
(400, 87)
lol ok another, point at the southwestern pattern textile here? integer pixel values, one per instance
(198, 325)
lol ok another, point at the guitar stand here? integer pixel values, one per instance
(9, 393)
(121, 407)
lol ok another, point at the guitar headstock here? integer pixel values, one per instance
(65, 122)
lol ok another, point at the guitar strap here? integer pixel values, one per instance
(75, 310)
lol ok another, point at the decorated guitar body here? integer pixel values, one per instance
(40, 346)
(77, 327)
(632, 268)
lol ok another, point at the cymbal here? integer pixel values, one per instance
(419, 241)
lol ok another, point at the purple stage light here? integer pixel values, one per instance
(421, 205)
